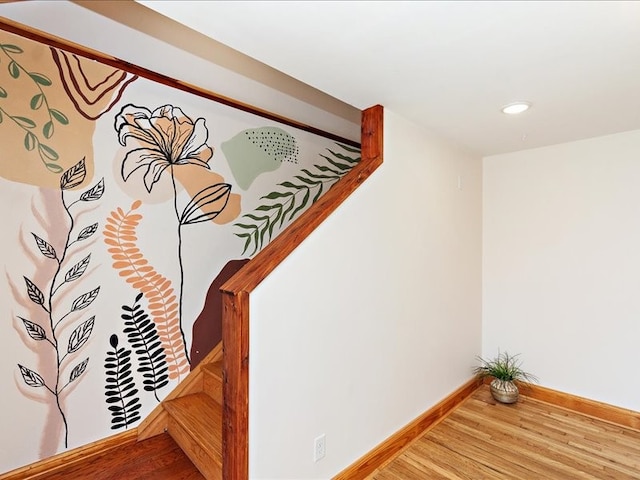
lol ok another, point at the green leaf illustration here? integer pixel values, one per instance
(59, 116)
(8, 48)
(24, 122)
(53, 167)
(48, 152)
(40, 79)
(3, 93)
(285, 204)
(36, 101)
(30, 141)
(47, 129)
(14, 69)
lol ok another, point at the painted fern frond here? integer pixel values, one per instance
(283, 205)
(120, 388)
(143, 337)
(121, 237)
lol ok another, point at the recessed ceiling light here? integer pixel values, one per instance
(516, 107)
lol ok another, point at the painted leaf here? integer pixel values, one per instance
(34, 330)
(34, 292)
(53, 167)
(36, 101)
(47, 129)
(30, 377)
(87, 231)
(14, 69)
(78, 269)
(207, 204)
(83, 301)
(78, 370)
(9, 48)
(142, 335)
(73, 176)
(48, 152)
(59, 116)
(94, 193)
(24, 122)
(45, 248)
(3, 93)
(30, 141)
(80, 335)
(122, 401)
(40, 79)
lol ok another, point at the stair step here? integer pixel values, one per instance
(213, 380)
(195, 423)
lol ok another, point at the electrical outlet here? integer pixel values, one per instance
(319, 448)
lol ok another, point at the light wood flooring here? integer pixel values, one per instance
(530, 440)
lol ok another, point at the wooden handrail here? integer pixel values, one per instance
(236, 291)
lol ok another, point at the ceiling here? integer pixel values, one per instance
(449, 66)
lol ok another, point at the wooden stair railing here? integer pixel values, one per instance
(236, 292)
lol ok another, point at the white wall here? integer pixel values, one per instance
(374, 318)
(561, 271)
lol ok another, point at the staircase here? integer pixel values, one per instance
(195, 423)
(193, 416)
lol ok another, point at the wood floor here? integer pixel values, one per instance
(157, 458)
(530, 440)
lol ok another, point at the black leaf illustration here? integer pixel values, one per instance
(83, 301)
(143, 336)
(34, 292)
(95, 193)
(34, 330)
(78, 370)
(45, 248)
(31, 378)
(80, 335)
(78, 269)
(87, 232)
(73, 176)
(213, 194)
(120, 390)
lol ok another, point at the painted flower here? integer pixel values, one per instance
(166, 137)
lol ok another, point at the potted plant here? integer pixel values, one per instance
(506, 372)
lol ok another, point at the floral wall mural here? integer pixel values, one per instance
(126, 203)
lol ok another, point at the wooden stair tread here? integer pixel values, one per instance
(214, 369)
(201, 417)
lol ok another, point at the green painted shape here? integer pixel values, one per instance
(259, 150)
